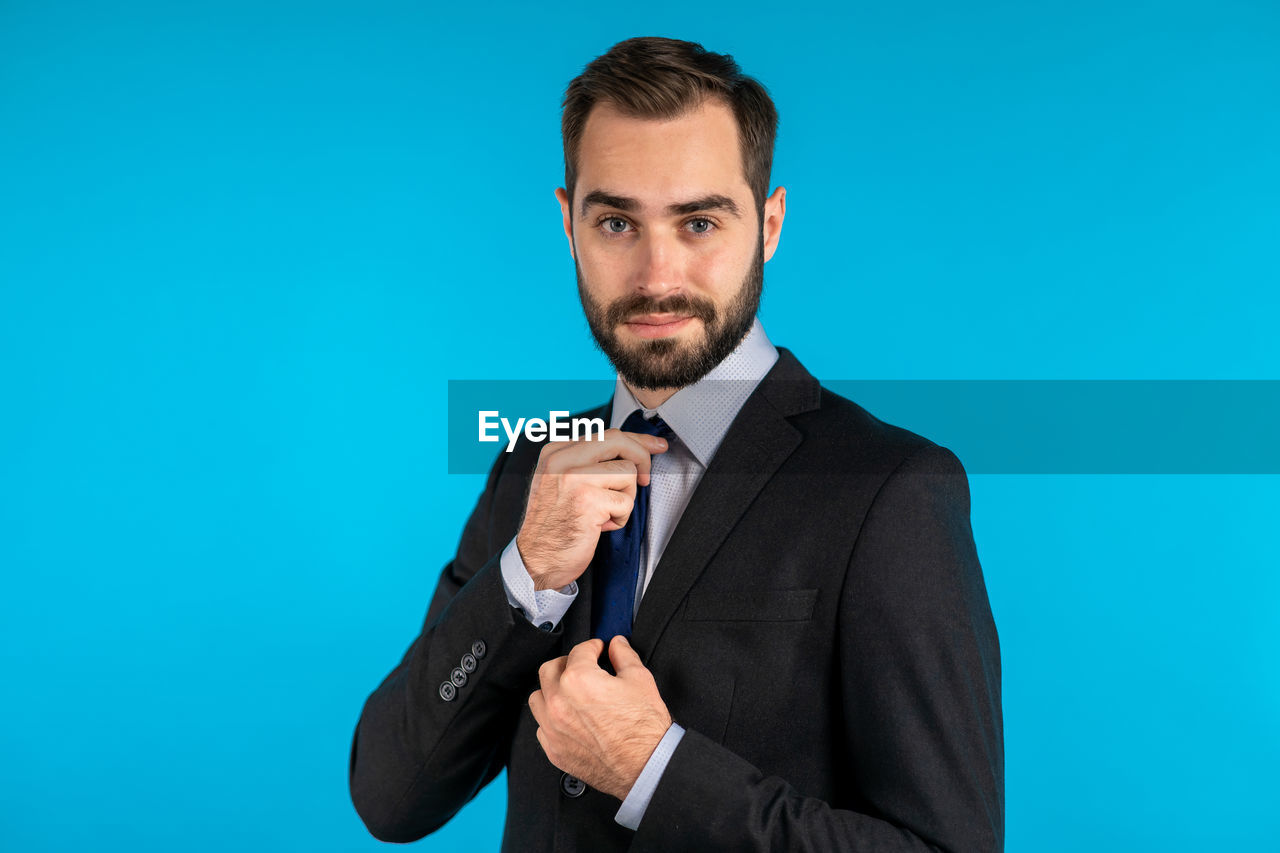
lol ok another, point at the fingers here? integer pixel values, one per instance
(550, 672)
(542, 742)
(616, 444)
(623, 656)
(538, 706)
(586, 654)
(618, 506)
(619, 474)
(654, 445)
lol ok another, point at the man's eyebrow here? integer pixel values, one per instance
(707, 202)
(630, 205)
(600, 197)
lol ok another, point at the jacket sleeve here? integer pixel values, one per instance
(921, 723)
(418, 757)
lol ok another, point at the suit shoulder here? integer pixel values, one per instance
(840, 429)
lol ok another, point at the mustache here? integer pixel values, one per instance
(637, 304)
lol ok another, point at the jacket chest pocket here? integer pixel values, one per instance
(750, 605)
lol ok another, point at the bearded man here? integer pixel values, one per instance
(752, 616)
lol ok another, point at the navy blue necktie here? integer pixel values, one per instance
(617, 559)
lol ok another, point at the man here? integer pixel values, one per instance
(754, 619)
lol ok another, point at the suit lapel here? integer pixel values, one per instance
(759, 440)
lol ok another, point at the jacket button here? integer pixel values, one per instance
(448, 691)
(572, 786)
(477, 649)
(458, 677)
(468, 663)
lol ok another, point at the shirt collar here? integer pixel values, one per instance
(700, 414)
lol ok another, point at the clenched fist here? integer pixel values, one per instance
(580, 489)
(599, 727)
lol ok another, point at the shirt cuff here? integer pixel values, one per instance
(633, 807)
(544, 607)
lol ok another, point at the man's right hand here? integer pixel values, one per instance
(580, 489)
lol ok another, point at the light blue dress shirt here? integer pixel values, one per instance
(699, 415)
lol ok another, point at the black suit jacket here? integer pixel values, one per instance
(818, 623)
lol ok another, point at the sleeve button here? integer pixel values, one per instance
(458, 677)
(477, 649)
(448, 691)
(468, 663)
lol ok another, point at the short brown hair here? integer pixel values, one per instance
(661, 78)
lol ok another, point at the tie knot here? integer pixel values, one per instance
(636, 422)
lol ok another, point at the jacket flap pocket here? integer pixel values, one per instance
(750, 605)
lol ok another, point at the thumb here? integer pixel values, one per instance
(623, 656)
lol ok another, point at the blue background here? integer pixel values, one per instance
(243, 247)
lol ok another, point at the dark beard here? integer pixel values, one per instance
(666, 362)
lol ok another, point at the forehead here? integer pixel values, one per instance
(660, 160)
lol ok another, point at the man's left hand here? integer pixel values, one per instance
(596, 726)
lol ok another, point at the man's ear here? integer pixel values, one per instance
(566, 213)
(775, 210)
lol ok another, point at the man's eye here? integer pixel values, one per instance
(700, 226)
(614, 225)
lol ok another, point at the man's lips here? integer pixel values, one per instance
(656, 325)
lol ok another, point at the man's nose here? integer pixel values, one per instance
(658, 270)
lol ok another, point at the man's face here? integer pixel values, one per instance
(667, 243)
